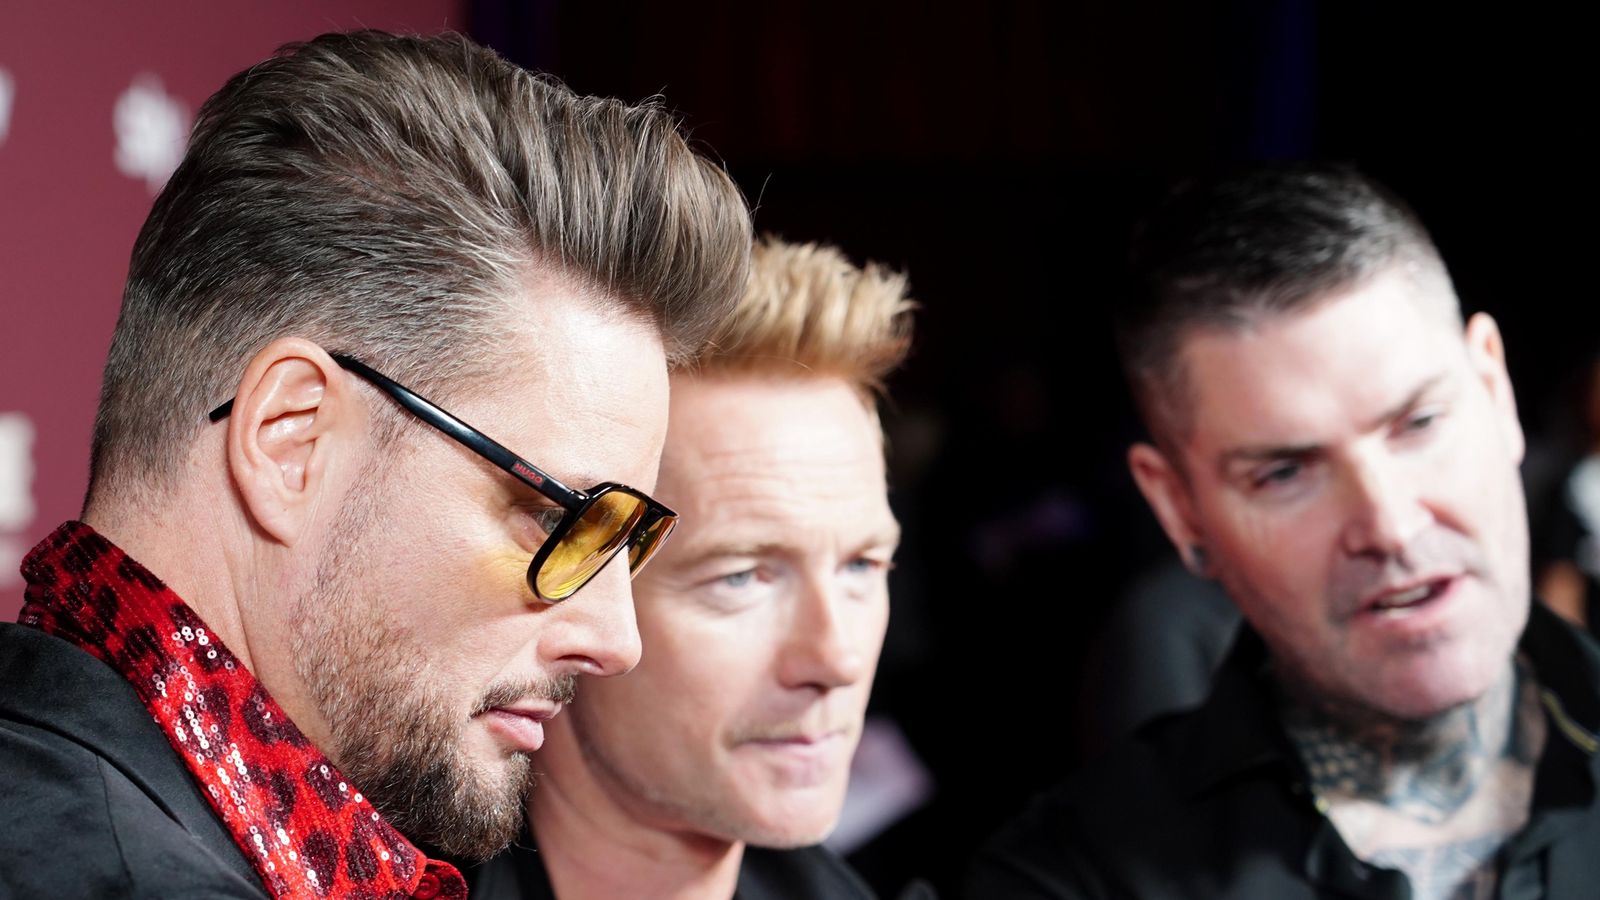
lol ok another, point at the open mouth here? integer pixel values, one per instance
(1401, 602)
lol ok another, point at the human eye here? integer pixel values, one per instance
(868, 564)
(1277, 475)
(733, 590)
(737, 580)
(1421, 420)
(539, 522)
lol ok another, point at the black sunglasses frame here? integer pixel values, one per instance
(574, 501)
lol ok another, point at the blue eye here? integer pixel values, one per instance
(864, 564)
(738, 579)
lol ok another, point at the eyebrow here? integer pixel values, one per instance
(1290, 451)
(887, 537)
(718, 551)
(890, 535)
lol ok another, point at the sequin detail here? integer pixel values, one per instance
(306, 830)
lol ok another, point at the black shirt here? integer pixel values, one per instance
(1214, 803)
(809, 872)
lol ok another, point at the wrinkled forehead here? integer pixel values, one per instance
(723, 410)
(1165, 387)
(1312, 374)
(745, 436)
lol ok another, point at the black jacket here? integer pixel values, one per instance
(96, 801)
(1214, 804)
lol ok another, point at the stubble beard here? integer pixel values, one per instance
(1349, 688)
(690, 809)
(393, 733)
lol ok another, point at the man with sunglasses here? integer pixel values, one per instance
(761, 621)
(1337, 447)
(301, 643)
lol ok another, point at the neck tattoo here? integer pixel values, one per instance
(1426, 769)
(1435, 799)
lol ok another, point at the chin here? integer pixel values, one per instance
(787, 835)
(798, 819)
(1435, 690)
(1419, 706)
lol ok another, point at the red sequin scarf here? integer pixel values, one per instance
(309, 833)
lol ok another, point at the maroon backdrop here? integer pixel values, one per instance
(95, 99)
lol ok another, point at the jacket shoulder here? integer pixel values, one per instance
(1054, 847)
(98, 804)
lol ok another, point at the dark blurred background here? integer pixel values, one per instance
(999, 153)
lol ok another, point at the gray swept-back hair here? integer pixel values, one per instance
(386, 196)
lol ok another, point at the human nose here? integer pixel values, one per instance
(595, 631)
(1386, 510)
(822, 650)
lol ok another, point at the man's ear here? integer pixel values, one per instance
(1167, 493)
(1487, 352)
(293, 411)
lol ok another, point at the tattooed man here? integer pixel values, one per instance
(1339, 449)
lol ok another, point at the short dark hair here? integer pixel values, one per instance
(387, 195)
(1266, 241)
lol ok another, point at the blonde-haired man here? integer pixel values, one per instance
(761, 620)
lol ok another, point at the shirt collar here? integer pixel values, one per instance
(1237, 730)
(307, 831)
(1568, 667)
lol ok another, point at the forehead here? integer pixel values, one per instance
(583, 389)
(750, 448)
(1315, 375)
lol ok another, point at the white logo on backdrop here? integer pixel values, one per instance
(8, 92)
(16, 491)
(152, 128)
(16, 471)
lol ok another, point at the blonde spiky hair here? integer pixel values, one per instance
(807, 306)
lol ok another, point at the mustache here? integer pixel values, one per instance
(1436, 552)
(561, 689)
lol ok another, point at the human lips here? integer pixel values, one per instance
(797, 738)
(1418, 608)
(798, 756)
(521, 725)
(1407, 596)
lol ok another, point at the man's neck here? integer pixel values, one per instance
(1435, 798)
(1427, 768)
(592, 848)
(207, 553)
(168, 544)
